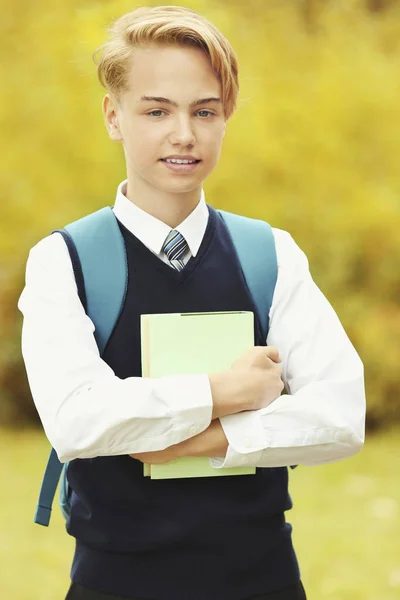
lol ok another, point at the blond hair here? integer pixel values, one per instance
(166, 25)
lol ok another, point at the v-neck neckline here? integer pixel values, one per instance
(193, 261)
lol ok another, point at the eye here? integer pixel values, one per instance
(159, 113)
(209, 113)
(155, 111)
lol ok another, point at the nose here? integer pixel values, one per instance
(182, 132)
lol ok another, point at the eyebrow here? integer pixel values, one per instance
(162, 100)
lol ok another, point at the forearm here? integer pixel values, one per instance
(313, 426)
(212, 442)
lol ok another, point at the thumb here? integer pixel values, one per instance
(272, 353)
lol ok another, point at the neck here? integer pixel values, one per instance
(168, 207)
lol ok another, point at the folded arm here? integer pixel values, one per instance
(322, 418)
(85, 409)
(210, 442)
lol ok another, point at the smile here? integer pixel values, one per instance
(179, 161)
(180, 165)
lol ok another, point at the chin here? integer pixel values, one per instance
(180, 187)
(181, 190)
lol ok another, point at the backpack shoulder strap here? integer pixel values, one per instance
(102, 256)
(255, 245)
(48, 489)
(98, 257)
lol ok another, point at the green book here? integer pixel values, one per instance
(191, 343)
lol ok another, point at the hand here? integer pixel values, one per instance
(260, 369)
(259, 356)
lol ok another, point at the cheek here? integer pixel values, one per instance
(215, 142)
(142, 144)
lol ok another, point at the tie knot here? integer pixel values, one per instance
(175, 245)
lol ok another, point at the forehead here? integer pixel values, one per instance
(163, 70)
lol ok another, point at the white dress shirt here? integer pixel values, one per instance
(87, 411)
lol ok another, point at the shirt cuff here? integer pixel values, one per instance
(246, 438)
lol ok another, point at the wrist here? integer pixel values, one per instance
(210, 442)
(228, 392)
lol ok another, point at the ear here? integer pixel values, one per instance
(110, 113)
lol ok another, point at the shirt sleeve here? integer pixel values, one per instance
(322, 418)
(86, 410)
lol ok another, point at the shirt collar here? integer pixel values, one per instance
(151, 231)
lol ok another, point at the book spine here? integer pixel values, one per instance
(145, 354)
(145, 337)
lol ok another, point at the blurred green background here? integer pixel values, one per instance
(313, 149)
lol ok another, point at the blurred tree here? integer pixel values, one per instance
(311, 11)
(379, 5)
(313, 148)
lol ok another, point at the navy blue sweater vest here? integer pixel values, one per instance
(218, 538)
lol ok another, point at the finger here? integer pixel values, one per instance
(272, 353)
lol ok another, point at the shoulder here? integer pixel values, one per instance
(288, 252)
(289, 255)
(49, 249)
(53, 248)
(49, 263)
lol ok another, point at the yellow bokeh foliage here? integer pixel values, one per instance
(313, 148)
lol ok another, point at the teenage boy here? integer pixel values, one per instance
(172, 83)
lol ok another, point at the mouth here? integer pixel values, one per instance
(180, 166)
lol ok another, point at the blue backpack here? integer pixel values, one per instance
(98, 257)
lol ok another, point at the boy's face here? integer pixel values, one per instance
(152, 130)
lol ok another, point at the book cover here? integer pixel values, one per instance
(191, 343)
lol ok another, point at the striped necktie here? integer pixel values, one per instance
(175, 247)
